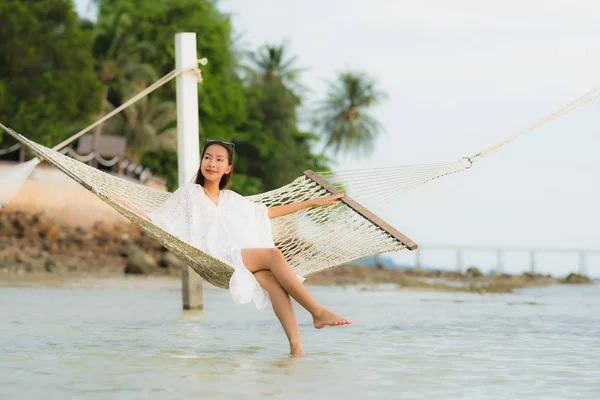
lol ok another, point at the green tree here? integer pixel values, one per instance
(149, 125)
(163, 162)
(47, 78)
(259, 115)
(275, 149)
(118, 63)
(221, 96)
(343, 117)
(269, 64)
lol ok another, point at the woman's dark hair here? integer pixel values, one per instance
(199, 179)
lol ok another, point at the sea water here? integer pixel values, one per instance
(130, 339)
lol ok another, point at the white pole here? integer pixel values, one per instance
(188, 146)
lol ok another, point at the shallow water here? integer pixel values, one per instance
(130, 339)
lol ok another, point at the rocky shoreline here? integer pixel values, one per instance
(32, 243)
(34, 246)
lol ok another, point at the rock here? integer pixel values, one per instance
(49, 246)
(473, 272)
(102, 239)
(127, 249)
(139, 263)
(35, 265)
(54, 233)
(417, 271)
(49, 263)
(527, 276)
(452, 275)
(577, 279)
(146, 242)
(71, 267)
(18, 227)
(169, 260)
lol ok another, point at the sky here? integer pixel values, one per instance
(459, 77)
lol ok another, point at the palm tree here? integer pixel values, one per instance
(270, 65)
(343, 117)
(118, 63)
(148, 125)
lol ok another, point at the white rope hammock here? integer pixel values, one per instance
(313, 239)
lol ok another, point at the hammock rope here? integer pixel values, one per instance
(588, 97)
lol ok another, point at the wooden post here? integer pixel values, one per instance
(188, 146)
(459, 260)
(532, 261)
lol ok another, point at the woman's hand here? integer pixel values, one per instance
(327, 201)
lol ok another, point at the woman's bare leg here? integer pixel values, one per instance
(282, 305)
(272, 260)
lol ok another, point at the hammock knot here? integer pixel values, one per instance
(197, 71)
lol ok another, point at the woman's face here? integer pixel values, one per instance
(215, 163)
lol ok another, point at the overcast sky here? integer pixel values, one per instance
(461, 76)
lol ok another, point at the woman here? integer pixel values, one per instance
(238, 231)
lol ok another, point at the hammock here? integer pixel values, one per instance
(311, 240)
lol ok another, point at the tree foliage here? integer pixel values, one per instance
(149, 125)
(163, 162)
(343, 116)
(47, 79)
(221, 100)
(273, 147)
(259, 114)
(57, 71)
(276, 149)
(270, 64)
(121, 71)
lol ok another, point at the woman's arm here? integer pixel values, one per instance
(279, 211)
(135, 210)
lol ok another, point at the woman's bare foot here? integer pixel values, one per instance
(327, 318)
(296, 351)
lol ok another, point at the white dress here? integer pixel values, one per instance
(222, 231)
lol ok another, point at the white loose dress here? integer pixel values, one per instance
(221, 230)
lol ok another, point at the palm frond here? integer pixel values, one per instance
(343, 118)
